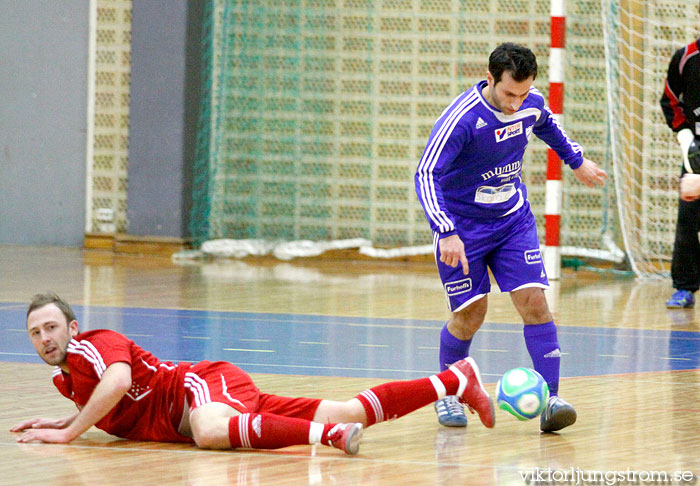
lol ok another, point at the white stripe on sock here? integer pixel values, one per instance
(243, 430)
(462, 380)
(315, 433)
(439, 386)
(375, 403)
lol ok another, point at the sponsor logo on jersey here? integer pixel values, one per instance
(480, 123)
(503, 172)
(494, 195)
(509, 131)
(533, 256)
(458, 286)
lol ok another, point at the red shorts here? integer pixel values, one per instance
(222, 382)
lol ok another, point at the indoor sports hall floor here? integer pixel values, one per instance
(332, 329)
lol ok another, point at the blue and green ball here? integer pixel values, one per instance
(522, 392)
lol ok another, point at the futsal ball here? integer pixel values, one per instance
(522, 392)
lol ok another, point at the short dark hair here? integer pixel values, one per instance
(518, 60)
(40, 300)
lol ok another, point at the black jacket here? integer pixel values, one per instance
(681, 99)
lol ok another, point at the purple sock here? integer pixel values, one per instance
(543, 346)
(452, 349)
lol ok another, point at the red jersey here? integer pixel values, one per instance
(151, 410)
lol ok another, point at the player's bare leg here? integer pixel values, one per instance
(464, 323)
(531, 304)
(208, 425)
(219, 426)
(330, 411)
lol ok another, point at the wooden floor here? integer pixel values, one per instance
(641, 421)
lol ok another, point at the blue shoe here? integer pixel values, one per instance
(681, 299)
(450, 412)
(557, 415)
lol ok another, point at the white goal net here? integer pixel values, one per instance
(640, 38)
(317, 114)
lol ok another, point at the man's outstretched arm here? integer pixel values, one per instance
(115, 382)
(44, 423)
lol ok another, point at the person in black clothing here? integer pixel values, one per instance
(680, 103)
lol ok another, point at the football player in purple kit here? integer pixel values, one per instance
(469, 183)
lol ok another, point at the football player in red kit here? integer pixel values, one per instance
(127, 392)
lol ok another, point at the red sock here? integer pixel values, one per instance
(450, 381)
(397, 398)
(270, 431)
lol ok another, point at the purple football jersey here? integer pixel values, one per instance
(472, 164)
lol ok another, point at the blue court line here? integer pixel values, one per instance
(356, 346)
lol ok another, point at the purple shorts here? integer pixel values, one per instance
(507, 246)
